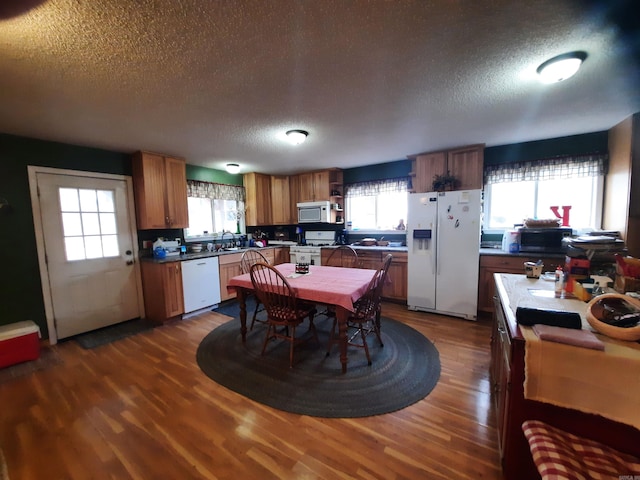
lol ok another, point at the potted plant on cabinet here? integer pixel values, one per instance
(444, 182)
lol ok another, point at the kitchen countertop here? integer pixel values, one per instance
(195, 256)
(204, 254)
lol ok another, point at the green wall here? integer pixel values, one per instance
(555, 147)
(20, 289)
(203, 174)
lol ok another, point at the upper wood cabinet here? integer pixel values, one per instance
(281, 201)
(465, 163)
(160, 186)
(258, 199)
(314, 186)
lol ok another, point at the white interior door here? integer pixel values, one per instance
(89, 251)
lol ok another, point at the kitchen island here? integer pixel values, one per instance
(508, 350)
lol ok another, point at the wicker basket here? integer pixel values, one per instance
(631, 334)
(541, 223)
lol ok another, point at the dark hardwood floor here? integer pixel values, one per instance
(140, 408)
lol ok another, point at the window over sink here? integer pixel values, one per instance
(213, 209)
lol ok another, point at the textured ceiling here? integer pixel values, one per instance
(371, 80)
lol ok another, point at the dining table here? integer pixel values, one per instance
(336, 286)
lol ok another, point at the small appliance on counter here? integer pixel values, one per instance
(544, 240)
(166, 248)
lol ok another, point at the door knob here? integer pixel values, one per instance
(128, 252)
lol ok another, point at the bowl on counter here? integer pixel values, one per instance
(196, 247)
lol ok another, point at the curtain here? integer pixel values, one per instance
(548, 169)
(376, 187)
(215, 191)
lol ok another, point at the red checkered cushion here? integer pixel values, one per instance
(559, 455)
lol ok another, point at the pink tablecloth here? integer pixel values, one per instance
(330, 285)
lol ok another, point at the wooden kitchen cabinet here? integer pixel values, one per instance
(464, 163)
(425, 167)
(294, 197)
(396, 286)
(229, 265)
(506, 263)
(281, 201)
(500, 371)
(281, 255)
(314, 186)
(160, 187)
(162, 288)
(258, 199)
(269, 254)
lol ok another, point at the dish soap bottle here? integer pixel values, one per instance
(559, 286)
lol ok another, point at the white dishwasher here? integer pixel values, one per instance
(200, 283)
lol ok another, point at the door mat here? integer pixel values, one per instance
(105, 335)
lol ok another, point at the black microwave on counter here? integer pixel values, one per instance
(543, 240)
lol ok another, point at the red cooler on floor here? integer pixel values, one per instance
(19, 342)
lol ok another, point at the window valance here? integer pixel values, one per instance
(377, 187)
(548, 169)
(216, 191)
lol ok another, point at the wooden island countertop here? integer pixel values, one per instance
(509, 374)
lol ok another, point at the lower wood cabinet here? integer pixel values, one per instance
(229, 268)
(281, 255)
(395, 287)
(162, 288)
(505, 263)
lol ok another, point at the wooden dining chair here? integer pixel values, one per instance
(365, 318)
(343, 256)
(249, 258)
(283, 307)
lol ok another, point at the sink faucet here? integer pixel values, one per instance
(232, 235)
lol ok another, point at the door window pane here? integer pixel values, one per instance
(88, 201)
(108, 223)
(69, 200)
(93, 246)
(74, 247)
(105, 201)
(71, 224)
(88, 223)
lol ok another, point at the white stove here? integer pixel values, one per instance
(310, 252)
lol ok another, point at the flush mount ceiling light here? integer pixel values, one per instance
(561, 67)
(233, 168)
(296, 137)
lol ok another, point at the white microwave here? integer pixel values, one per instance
(314, 212)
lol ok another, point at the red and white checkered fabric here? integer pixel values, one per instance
(559, 455)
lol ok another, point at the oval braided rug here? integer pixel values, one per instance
(403, 372)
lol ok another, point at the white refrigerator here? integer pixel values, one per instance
(443, 240)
